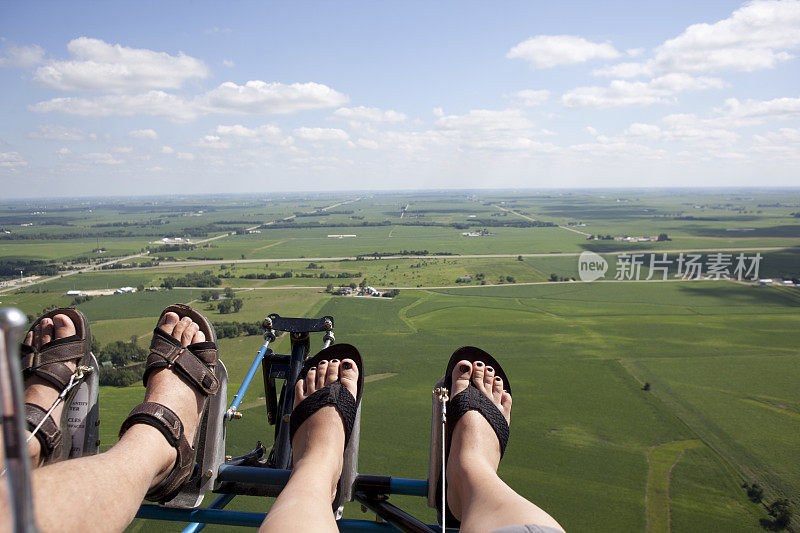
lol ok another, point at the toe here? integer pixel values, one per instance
(333, 372)
(488, 379)
(168, 322)
(47, 331)
(63, 326)
(497, 389)
(322, 368)
(311, 380)
(505, 405)
(189, 333)
(28, 339)
(461, 376)
(199, 336)
(348, 373)
(299, 392)
(477, 374)
(180, 327)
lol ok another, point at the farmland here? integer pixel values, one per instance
(588, 444)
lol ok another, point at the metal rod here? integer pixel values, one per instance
(237, 399)
(282, 447)
(275, 477)
(219, 503)
(241, 518)
(18, 468)
(395, 516)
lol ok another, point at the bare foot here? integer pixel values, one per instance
(319, 442)
(39, 391)
(474, 448)
(166, 387)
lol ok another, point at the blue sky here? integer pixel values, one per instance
(136, 98)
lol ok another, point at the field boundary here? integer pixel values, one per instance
(661, 460)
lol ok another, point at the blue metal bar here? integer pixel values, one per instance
(218, 503)
(409, 487)
(237, 399)
(275, 477)
(241, 518)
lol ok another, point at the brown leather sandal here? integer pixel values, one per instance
(196, 363)
(48, 363)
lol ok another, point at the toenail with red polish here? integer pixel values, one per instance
(464, 368)
(489, 369)
(347, 365)
(334, 360)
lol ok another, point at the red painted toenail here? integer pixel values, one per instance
(478, 363)
(498, 378)
(489, 369)
(464, 368)
(334, 360)
(347, 365)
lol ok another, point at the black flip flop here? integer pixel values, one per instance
(338, 396)
(470, 399)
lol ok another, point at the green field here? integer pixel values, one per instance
(588, 444)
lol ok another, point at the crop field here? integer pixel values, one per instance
(638, 406)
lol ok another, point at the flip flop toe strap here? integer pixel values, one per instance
(49, 435)
(167, 422)
(194, 362)
(335, 394)
(471, 399)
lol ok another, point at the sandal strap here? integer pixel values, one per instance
(167, 422)
(48, 361)
(195, 362)
(471, 399)
(335, 394)
(49, 435)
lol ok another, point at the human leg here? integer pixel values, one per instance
(305, 504)
(475, 493)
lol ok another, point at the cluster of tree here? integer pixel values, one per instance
(780, 512)
(126, 362)
(170, 248)
(80, 299)
(556, 277)
(271, 275)
(67, 235)
(606, 237)
(795, 215)
(663, 237)
(143, 264)
(192, 279)
(513, 223)
(229, 330)
(229, 305)
(391, 293)
(10, 268)
(339, 275)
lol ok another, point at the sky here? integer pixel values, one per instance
(144, 98)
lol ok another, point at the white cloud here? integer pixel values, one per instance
(759, 35)
(637, 93)
(321, 134)
(531, 98)
(260, 97)
(143, 134)
(255, 97)
(486, 129)
(167, 150)
(758, 111)
(63, 151)
(122, 149)
(152, 103)
(99, 66)
(186, 156)
(102, 158)
(228, 63)
(12, 160)
(21, 56)
(57, 132)
(783, 135)
(545, 51)
(361, 115)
